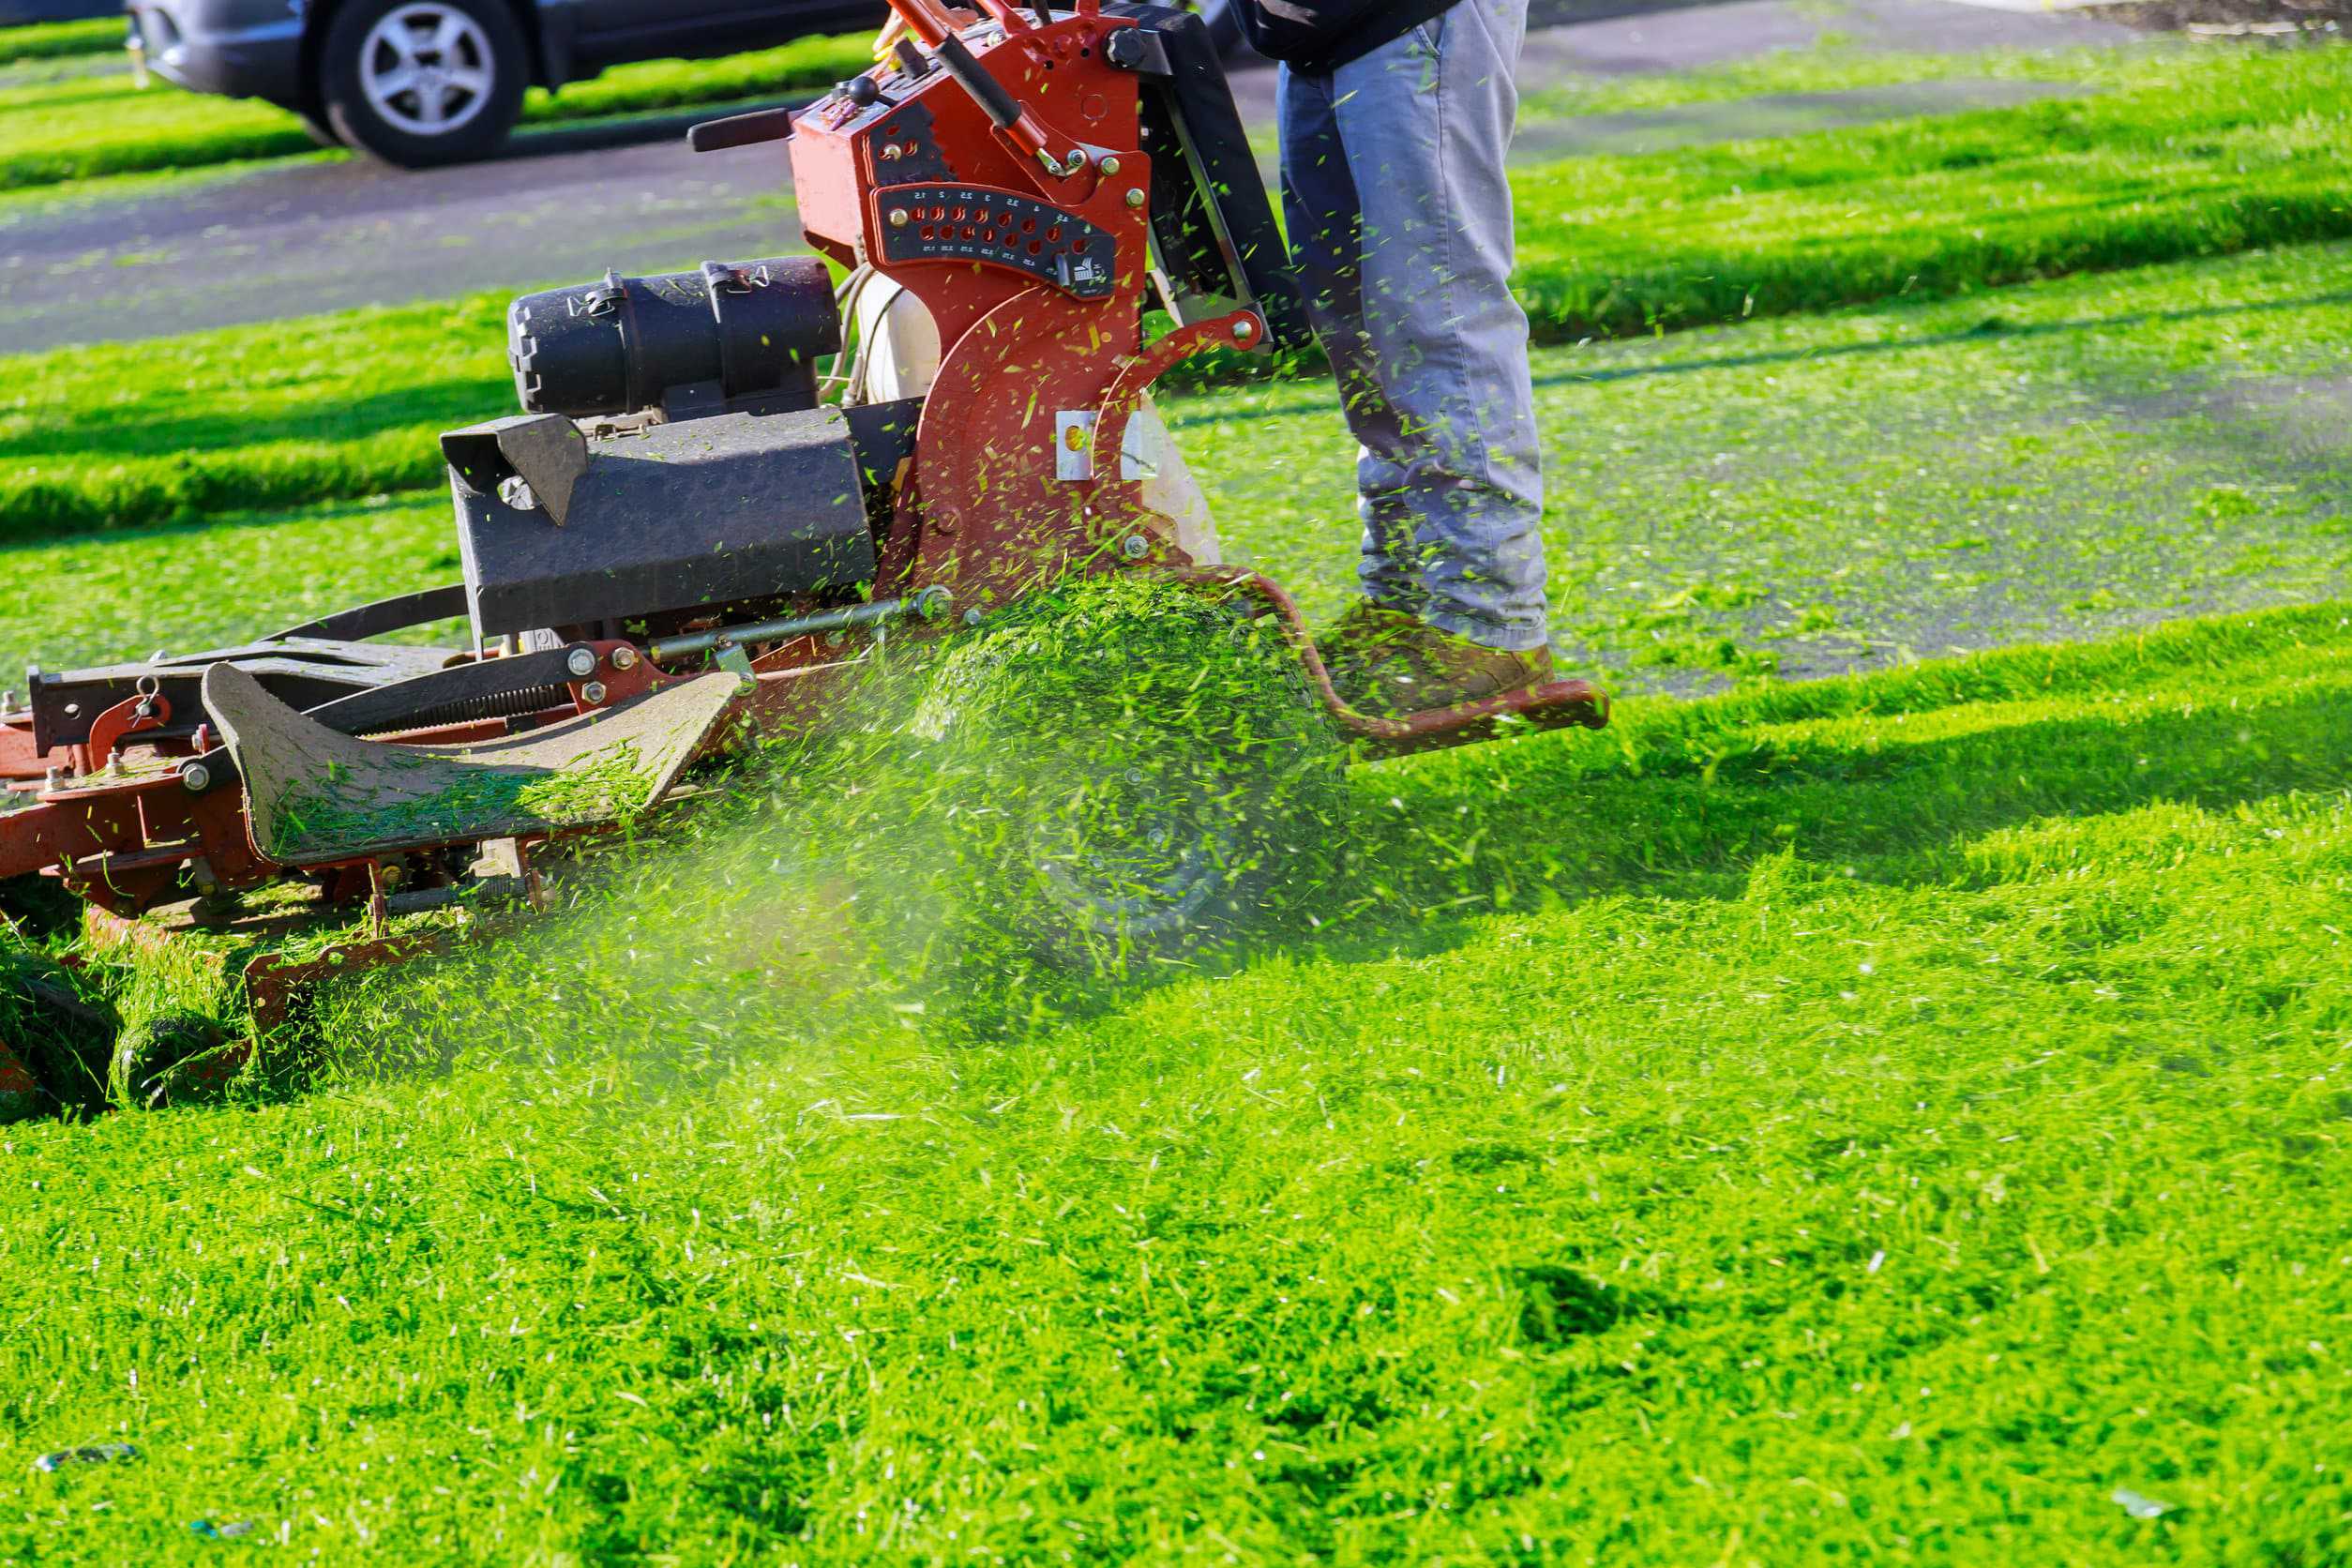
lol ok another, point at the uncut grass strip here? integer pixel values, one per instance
(50, 40)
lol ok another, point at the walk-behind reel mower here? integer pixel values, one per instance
(692, 540)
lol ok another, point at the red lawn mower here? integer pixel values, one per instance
(690, 538)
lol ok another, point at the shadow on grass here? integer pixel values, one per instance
(452, 401)
(1994, 325)
(1437, 847)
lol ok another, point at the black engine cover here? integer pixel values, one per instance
(718, 510)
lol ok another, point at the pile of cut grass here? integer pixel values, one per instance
(1891, 1117)
(83, 127)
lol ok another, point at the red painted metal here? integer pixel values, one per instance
(149, 709)
(18, 756)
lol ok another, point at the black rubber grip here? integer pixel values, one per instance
(975, 78)
(741, 130)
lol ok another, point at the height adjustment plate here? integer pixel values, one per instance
(996, 227)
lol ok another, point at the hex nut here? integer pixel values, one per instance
(195, 777)
(593, 694)
(581, 662)
(623, 658)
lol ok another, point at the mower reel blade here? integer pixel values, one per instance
(315, 797)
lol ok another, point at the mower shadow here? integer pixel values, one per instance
(1446, 845)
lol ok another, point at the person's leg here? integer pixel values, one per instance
(1427, 122)
(1322, 212)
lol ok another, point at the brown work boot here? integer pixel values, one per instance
(1360, 637)
(1427, 669)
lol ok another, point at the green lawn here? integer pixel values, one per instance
(1899, 1116)
(1834, 63)
(1804, 495)
(2182, 155)
(79, 128)
(1880, 1119)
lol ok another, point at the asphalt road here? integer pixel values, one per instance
(566, 203)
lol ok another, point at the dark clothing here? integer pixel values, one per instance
(1317, 36)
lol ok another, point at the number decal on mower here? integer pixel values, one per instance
(998, 228)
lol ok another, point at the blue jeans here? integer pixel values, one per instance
(1399, 222)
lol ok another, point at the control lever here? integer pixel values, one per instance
(924, 21)
(741, 130)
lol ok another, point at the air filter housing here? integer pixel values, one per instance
(734, 337)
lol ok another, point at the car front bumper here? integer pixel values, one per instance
(239, 49)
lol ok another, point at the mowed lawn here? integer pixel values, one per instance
(1887, 1119)
(1794, 497)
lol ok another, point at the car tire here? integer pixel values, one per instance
(419, 83)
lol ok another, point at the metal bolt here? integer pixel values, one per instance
(623, 658)
(1135, 546)
(1245, 330)
(897, 217)
(593, 694)
(581, 662)
(195, 777)
(1134, 196)
(1110, 166)
(972, 617)
(890, 153)
(53, 779)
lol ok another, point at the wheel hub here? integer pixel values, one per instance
(426, 68)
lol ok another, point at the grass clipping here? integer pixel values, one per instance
(1105, 783)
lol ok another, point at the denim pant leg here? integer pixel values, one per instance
(1403, 244)
(1325, 229)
